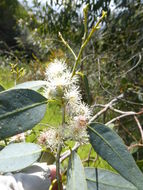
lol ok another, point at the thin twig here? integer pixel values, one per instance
(139, 126)
(120, 116)
(107, 106)
(135, 145)
(110, 93)
(126, 114)
(67, 153)
(136, 65)
(67, 45)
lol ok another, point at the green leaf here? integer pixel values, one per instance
(75, 174)
(33, 85)
(20, 110)
(111, 148)
(18, 156)
(86, 85)
(87, 90)
(106, 180)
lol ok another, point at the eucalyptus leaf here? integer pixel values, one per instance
(33, 85)
(86, 85)
(75, 174)
(111, 148)
(20, 110)
(106, 180)
(85, 79)
(18, 156)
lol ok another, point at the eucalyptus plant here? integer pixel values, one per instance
(21, 108)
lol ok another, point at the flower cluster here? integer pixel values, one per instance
(63, 87)
(58, 80)
(21, 137)
(18, 138)
(50, 138)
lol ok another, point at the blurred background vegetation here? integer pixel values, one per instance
(112, 61)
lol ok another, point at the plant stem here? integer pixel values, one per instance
(63, 116)
(59, 152)
(96, 27)
(58, 166)
(85, 12)
(67, 45)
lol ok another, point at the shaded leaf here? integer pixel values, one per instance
(89, 99)
(106, 180)
(20, 110)
(111, 148)
(86, 85)
(33, 85)
(18, 156)
(75, 174)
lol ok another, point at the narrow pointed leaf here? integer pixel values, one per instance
(20, 110)
(111, 148)
(18, 156)
(33, 85)
(86, 85)
(75, 175)
(106, 180)
(89, 99)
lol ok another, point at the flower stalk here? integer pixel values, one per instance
(59, 152)
(58, 166)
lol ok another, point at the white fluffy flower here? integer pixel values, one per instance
(18, 138)
(72, 96)
(76, 130)
(61, 80)
(50, 138)
(83, 109)
(56, 68)
(61, 86)
(58, 79)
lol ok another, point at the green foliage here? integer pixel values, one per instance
(6, 78)
(116, 68)
(106, 180)
(111, 148)
(20, 110)
(75, 7)
(10, 11)
(33, 85)
(15, 157)
(75, 170)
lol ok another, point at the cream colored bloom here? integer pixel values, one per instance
(56, 68)
(76, 130)
(18, 138)
(50, 138)
(59, 80)
(72, 96)
(61, 86)
(83, 109)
